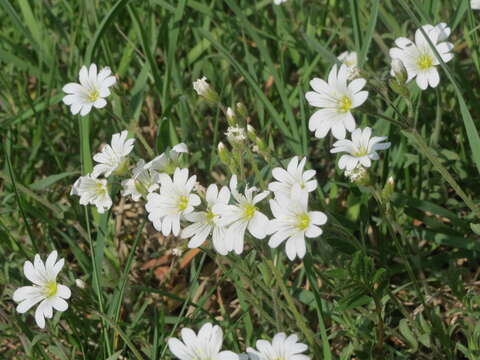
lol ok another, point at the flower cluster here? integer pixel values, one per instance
(207, 345)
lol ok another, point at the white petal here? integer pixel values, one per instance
(258, 225)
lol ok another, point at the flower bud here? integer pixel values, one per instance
(223, 153)
(388, 188)
(398, 70)
(80, 283)
(231, 118)
(204, 90)
(241, 110)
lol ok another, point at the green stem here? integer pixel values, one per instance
(291, 304)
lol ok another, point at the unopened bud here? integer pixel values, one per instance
(205, 90)
(241, 110)
(80, 283)
(223, 153)
(388, 188)
(398, 71)
(231, 118)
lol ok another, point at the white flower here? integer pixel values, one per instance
(206, 222)
(204, 346)
(475, 4)
(45, 289)
(294, 174)
(201, 86)
(242, 216)
(419, 58)
(167, 162)
(236, 134)
(349, 58)
(143, 181)
(278, 2)
(92, 191)
(362, 149)
(91, 92)
(80, 283)
(335, 99)
(112, 158)
(175, 200)
(281, 348)
(293, 222)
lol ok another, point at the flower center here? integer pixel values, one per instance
(182, 203)
(344, 104)
(362, 151)
(303, 221)
(100, 189)
(50, 289)
(93, 95)
(424, 62)
(210, 216)
(249, 211)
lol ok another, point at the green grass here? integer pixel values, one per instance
(392, 277)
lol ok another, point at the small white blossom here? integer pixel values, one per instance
(91, 92)
(236, 134)
(204, 346)
(362, 149)
(174, 201)
(208, 222)
(142, 182)
(92, 191)
(45, 290)
(242, 216)
(281, 348)
(475, 4)
(293, 222)
(349, 58)
(113, 157)
(419, 58)
(201, 86)
(294, 174)
(279, 2)
(335, 99)
(167, 162)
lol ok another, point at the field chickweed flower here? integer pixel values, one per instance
(335, 99)
(362, 149)
(91, 92)
(293, 222)
(204, 346)
(92, 191)
(294, 174)
(242, 216)
(279, 2)
(112, 158)
(349, 58)
(419, 58)
(475, 4)
(143, 182)
(281, 348)
(45, 289)
(206, 222)
(174, 201)
(167, 162)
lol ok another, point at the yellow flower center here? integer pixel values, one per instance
(210, 216)
(344, 104)
(100, 190)
(50, 289)
(93, 95)
(303, 221)
(182, 203)
(362, 151)
(424, 62)
(249, 211)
